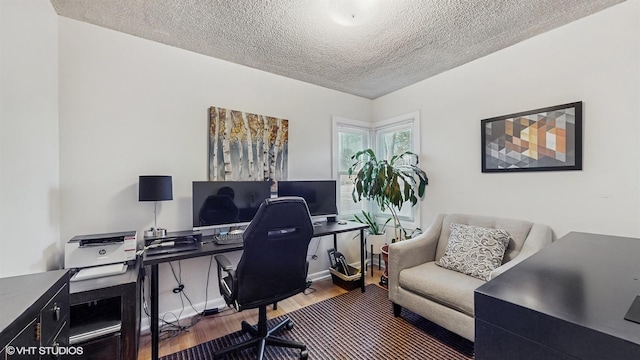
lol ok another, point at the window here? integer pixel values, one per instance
(387, 138)
(394, 137)
(394, 141)
(349, 137)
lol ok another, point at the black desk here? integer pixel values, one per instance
(211, 248)
(567, 301)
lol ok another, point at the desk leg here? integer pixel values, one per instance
(155, 336)
(362, 250)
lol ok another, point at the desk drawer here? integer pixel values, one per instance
(54, 314)
(59, 346)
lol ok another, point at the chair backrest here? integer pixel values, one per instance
(274, 264)
(518, 229)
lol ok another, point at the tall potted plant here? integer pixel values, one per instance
(389, 183)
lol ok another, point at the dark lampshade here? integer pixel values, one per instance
(155, 188)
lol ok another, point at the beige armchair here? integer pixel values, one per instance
(444, 296)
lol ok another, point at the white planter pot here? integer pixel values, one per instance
(377, 241)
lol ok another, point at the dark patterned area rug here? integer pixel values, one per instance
(351, 326)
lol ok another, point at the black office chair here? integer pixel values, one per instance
(272, 268)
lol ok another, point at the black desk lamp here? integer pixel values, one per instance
(155, 188)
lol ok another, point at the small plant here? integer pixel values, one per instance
(374, 227)
(389, 183)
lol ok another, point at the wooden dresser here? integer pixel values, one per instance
(34, 314)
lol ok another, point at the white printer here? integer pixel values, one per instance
(99, 255)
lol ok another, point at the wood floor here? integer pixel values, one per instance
(228, 321)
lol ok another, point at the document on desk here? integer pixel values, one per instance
(99, 271)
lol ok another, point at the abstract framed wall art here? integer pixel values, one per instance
(247, 147)
(544, 139)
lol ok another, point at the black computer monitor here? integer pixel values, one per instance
(320, 195)
(227, 203)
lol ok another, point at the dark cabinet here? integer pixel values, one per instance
(105, 315)
(106, 347)
(35, 315)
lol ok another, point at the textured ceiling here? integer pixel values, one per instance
(405, 41)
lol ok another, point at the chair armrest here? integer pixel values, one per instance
(539, 236)
(412, 252)
(223, 262)
(229, 293)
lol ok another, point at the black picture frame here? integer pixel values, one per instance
(546, 139)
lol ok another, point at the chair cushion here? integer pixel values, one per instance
(446, 287)
(474, 250)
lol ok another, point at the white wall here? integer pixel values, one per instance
(29, 206)
(130, 107)
(594, 60)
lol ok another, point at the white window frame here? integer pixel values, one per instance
(401, 122)
(340, 123)
(410, 120)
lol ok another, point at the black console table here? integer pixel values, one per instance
(567, 301)
(210, 248)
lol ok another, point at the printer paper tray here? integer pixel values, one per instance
(99, 271)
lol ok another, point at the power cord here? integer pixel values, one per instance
(180, 288)
(167, 326)
(171, 328)
(145, 307)
(315, 252)
(206, 289)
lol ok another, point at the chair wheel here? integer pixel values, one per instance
(304, 354)
(289, 326)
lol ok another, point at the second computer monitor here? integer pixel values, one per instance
(320, 195)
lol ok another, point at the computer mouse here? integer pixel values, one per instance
(342, 222)
(237, 231)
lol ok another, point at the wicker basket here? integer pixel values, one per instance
(349, 282)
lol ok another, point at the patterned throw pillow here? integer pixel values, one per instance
(474, 250)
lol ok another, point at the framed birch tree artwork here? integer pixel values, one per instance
(247, 147)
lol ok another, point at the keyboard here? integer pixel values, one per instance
(228, 238)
